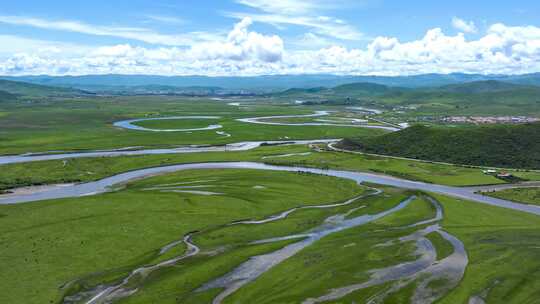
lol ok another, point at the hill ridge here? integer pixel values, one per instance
(506, 146)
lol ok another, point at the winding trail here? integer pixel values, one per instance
(128, 124)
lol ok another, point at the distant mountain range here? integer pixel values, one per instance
(356, 89)
(6, 96)
(260, 84)
(365, 89)
(487, 86)
(485, 96)
(478, 93)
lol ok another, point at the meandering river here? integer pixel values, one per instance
(267, 121)
(103, 185)
(129, 124)
(233, 147)
(426, 268)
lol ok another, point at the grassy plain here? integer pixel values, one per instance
(502, 245)
(408, 169)
(89, 169)
(87, 123)
(338, 260)
(101, 238)
(176, 123)
(522, 195)
(47, 244)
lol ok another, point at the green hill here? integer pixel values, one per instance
(512, 146)
(5, 96)
(35, 90)
(478, 97)
(301, 91)
(362, 88)
(487, 86)
(343, 94)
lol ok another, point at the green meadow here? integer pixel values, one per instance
(90, 169)
(522, 195)
(176, 124)
(502, 246)
(61, 247)
(87, 124)
(408, 169)
(48, 244)
(68, 250)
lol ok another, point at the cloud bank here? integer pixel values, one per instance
(500, 49)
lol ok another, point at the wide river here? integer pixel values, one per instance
(131, 123)
(104, 185)
(234, 147)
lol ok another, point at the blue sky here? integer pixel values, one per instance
(248, 37)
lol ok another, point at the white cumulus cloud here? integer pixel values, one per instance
(464, 26)
(242, 44)
(501, 49)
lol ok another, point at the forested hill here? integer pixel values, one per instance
(17, 88)
(509, 146)
(5, 96)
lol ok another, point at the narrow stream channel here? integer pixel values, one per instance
(425, 269)
(127, 287)
(257, 265)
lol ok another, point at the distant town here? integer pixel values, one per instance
(490, 119)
